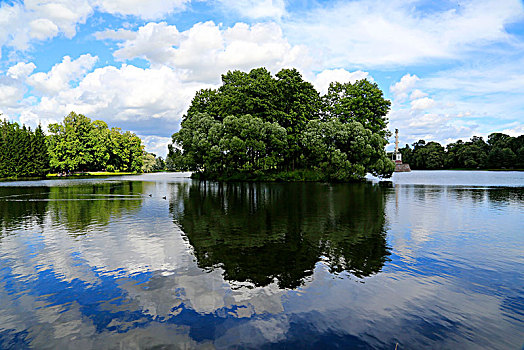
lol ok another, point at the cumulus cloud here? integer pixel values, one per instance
(153, 42)
(21, 23)
(392, 33)
(147, 101)
(515, 130)
(402, 88)
(42, 29)
(151, 9)
(40, 20)
(205, 51)
(62, 74)
(416, 94)
(326, 77)
(417, 118)
(422, 103)
(9, 95)
(256, 9)
(156, 144)
(21, 70)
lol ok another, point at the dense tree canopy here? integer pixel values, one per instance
(23, 152)
(362, 102)
(152, 163)
(79, 144)
(500, 152)
(255, 125)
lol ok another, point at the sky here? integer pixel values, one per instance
(452, 69)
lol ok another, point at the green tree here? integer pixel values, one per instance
(160, 164)
(22, 151)
(256, 124)
(362, 101)
(250, 144)
(78, 144)
(69, 143)
(407, 154)
(345, 150)
(427, 156)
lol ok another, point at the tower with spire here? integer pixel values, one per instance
(397, 157)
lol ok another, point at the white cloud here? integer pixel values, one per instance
(150, 9)
(22, 23)
(402, 88)
(205, 51)
(422, 103)
(153, 42)
(40, 20)
(9, 96)
(324, 78)
(515, 130)
(149, 101)
(21, 70)
(416, 94)
(256, 9)
(392, 33)
(417, 118)
(156, 144)
(62, 74)
(42, 29)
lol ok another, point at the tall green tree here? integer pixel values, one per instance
(69, 143)
(362, 101)
(79, 144)
(256, 123)
(22, 151)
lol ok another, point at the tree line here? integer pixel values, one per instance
(23, 152)
(501, 151)
(77, 144)
(256, 126)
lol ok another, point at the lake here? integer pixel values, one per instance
(429, 260)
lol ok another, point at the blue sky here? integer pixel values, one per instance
(452, 69)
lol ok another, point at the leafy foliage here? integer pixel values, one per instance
(79, 144)
(152, 163)
(362, 102)
(500, 152)
(23, 152)
(259, 126)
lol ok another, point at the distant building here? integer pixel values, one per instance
(397, 157)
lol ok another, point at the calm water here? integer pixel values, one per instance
(432, 260)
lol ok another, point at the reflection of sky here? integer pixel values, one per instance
(455, 279)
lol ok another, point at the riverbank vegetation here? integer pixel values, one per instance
(501, 151)
(259, 127)
(77, 145)
(23, 152)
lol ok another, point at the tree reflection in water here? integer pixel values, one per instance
(262, 232)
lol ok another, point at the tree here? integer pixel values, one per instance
(345, 150)
(22, 151)
(362, 101)
(148, 162)
(256, 124)
(78, 144)
(69, 143)
(427, 156)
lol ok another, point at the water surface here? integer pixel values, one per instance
(110, 263)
